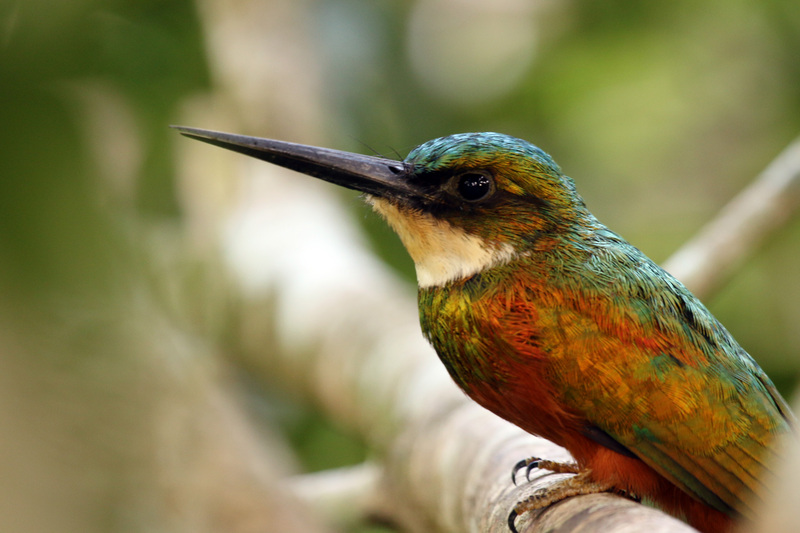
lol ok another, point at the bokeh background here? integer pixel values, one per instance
(661, 112)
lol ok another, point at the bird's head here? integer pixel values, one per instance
(460, 204)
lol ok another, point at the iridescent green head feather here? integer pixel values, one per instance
(521, 172)
(483, 199)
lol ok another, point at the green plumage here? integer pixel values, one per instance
(581, 330)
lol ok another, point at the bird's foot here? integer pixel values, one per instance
(577, 485)
(535, 462)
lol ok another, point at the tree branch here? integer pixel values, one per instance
(708, 260)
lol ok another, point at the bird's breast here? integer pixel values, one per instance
(503, 365)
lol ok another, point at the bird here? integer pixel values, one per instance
(547, 318)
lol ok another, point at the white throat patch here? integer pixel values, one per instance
(441, 252)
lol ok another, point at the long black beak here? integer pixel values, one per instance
(364, 173)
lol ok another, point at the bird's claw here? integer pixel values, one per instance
(579, 483)
(512, 517)
(528, 464)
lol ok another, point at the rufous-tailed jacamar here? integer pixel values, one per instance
(544, 316)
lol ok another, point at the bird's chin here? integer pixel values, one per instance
(385, 207)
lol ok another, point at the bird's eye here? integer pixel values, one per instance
(474, 186)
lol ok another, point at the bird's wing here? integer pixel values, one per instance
(650, 366)
(714, 439)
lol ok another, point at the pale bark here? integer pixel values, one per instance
(709, 258)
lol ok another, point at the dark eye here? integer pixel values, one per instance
(474, 186)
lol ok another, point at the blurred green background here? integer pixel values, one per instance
(661, 112)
